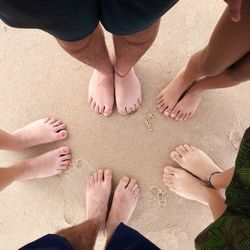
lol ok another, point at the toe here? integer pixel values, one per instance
(63, 151)
(169, 170)
(62, 134)
(45, 120)
(134, 188)
(107, 174)
(60, 127)
(179, 151)
(168, 111)
(174, 112)
(133, 108)
(96, 109)
(163, 107)
(66, 163)
(107, 111)
(176, 157)
(136, 193)
(139, 100)
(100, 175)
(51, 120)
(57, 123)
(182, 117)
(188, 148)
(124, 182)
(128, 110)
(92, 180)
(92, 105)
(131, 184)
(101, 109)
(66, 157)
(183, 149)
(96, 177)
(178, 116)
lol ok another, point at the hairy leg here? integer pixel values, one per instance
(128, 50)
(83, 236)
(93, 52)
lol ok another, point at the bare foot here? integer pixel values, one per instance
(184, 184)
(123, 205)
(195, 161)
(97, 195)
(48, 164)
(187, 106)
(170, 95)
(101, 93)
(127, 93)
(40, 132)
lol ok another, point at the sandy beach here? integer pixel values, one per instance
(38, 79)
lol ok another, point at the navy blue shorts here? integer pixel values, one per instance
(73, 20)
(124, 238)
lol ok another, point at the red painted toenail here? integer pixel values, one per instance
(65, 150)
(63, 133)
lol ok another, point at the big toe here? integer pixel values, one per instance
(107, 111)
(62, 135)
(123, 183)
(176, 157)
(107, 175)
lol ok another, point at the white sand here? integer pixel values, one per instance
(38, 79)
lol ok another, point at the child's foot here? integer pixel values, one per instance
(97, 196)
(184, 184)
(187, 106)
(123, 205)
(171, 94)
(101, 93)
(195, 161)
(46, 165)
(127, 93)
(40, 132)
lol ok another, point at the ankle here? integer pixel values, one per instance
(122, 71)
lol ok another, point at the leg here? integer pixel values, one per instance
(48, 164)
(184, 184)
(128, 50)
(234, 75)
(83, 236)
(93, 52)
(39, 132)
(211, 61)
(123, 205)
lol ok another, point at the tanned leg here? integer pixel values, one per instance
(184, 184)
(228, 44)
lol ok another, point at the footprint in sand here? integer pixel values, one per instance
(73, 186)
(235, 139)
(158, 196)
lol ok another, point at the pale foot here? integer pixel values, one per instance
(127, 93)
(42, 131)
(195, 161)
(97, 196)
(185, 185)
(101, 93)
(170, 95)
(123, 205)
(46, 165)
(187, 106)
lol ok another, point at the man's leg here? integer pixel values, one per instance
(123, 205)
(228, 44)
(184, 184)
(42, 131)
(93, 51)
(83, 236)
(128, 50)
(48, 164)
